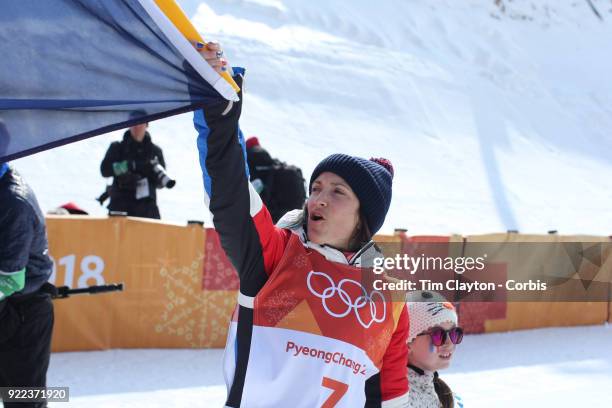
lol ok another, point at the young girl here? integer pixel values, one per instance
(432, 338)
(306, 332)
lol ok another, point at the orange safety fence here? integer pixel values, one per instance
(180, 288)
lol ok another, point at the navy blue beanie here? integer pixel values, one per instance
(371, 181)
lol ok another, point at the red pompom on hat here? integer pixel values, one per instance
(386, 163)
(252, 142)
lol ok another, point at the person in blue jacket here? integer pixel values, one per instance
(26, 311)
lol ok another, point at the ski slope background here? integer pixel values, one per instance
(493, 119)
(559, 367)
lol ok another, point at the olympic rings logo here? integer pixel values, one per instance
(343, 295)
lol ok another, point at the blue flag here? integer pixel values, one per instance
(73, 69)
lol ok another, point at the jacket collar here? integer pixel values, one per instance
(127, 138)
(293, 221)
(420, 372)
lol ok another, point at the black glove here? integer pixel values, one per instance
(226, 110)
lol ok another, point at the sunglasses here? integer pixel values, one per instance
(439, 335)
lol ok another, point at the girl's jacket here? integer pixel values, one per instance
(306, 332)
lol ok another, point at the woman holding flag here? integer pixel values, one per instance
(306, 332)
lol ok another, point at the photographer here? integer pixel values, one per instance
(281, 186)
(137, 166)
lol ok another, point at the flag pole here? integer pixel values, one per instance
(175, 13)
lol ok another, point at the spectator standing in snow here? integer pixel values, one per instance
(280, 185)
(300, 337)
(432, 341)
(137, 166)
(26, 311)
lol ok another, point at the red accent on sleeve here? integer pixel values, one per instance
(394, 372)
(273, 240)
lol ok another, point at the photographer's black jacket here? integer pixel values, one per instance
(23, 236)
(123, 191)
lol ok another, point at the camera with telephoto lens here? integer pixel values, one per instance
(162, 177)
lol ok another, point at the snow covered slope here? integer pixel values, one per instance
(560, 367)
(496, 116)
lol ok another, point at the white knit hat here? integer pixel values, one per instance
(427, 309)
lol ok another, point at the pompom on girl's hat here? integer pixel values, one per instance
(371, 180)
(427, 309)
